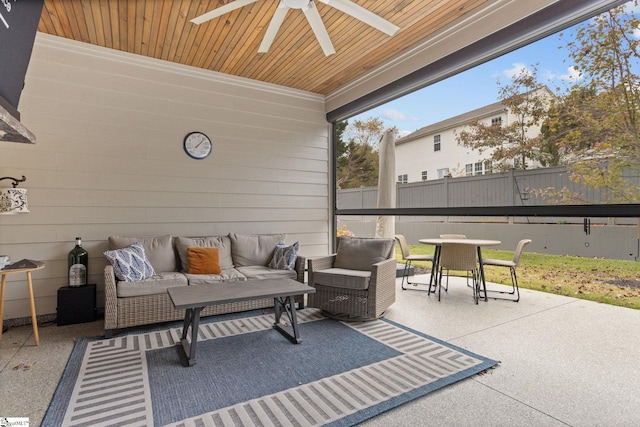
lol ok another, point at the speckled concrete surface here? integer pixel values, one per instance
(29, 374)
(564, 362)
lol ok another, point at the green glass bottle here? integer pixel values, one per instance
(78, 265)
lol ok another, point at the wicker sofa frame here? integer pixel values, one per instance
(127, 312)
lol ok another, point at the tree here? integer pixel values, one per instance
(366, 131)
(515, 144)
(564, 130)
(357, 158)
(595, 126)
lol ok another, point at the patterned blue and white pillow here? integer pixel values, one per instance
(284, 257)
(130, 264)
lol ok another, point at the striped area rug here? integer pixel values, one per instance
(249, 375)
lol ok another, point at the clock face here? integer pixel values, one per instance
(197, 145)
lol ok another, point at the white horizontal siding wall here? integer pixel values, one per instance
(109, 160)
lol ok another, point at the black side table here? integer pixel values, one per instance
(76, 304)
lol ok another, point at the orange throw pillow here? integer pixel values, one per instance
(203, 260)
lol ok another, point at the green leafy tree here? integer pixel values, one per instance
(357, 157)
(595, 126)
(564, 131)
(341, 144)
(367, 131)
(515, 144)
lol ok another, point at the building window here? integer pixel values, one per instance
(468, 169)
(403, 179)
(436, 142)
(478, 168)
(496, 121)
(424, 175)
(443, 172)
(488, 167)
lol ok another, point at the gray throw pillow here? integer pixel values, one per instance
(356, 253)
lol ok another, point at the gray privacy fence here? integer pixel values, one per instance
(615, 238)
(513, 188)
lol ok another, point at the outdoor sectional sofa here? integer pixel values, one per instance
(241, 257)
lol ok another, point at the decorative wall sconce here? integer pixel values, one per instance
(13, 200)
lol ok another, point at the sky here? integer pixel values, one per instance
(478, 87)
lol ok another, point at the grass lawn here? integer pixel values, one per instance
(597, 279)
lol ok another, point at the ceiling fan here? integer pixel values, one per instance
(310, 11)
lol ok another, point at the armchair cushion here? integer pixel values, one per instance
(356, 253)
(343, 278)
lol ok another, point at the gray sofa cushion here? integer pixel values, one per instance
(357, 253)
(159, 250)
(253, 249)
(260, 272)
(343, 278)
(229, 275)
(223, 243)
(157, 284)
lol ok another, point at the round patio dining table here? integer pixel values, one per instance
(478, 243)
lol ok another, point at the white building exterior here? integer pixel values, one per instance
(432, 152)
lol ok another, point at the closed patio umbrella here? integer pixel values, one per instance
(385, 226)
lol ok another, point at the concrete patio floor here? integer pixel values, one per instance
(564, 361)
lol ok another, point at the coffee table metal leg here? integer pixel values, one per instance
(191, 318)
(187, 321)
(289, 308)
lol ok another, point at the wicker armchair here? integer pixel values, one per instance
(358, 282)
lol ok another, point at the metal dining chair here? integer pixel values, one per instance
(459, 257)
(511, 265)
(408, 258)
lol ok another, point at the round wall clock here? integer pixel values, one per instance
(197, 145)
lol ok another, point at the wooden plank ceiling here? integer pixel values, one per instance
(229, 44)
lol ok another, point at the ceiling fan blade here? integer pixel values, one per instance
(364, 15)
(311, 12)
(274, 26)
(237, 4)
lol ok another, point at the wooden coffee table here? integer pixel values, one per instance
(194, 298)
